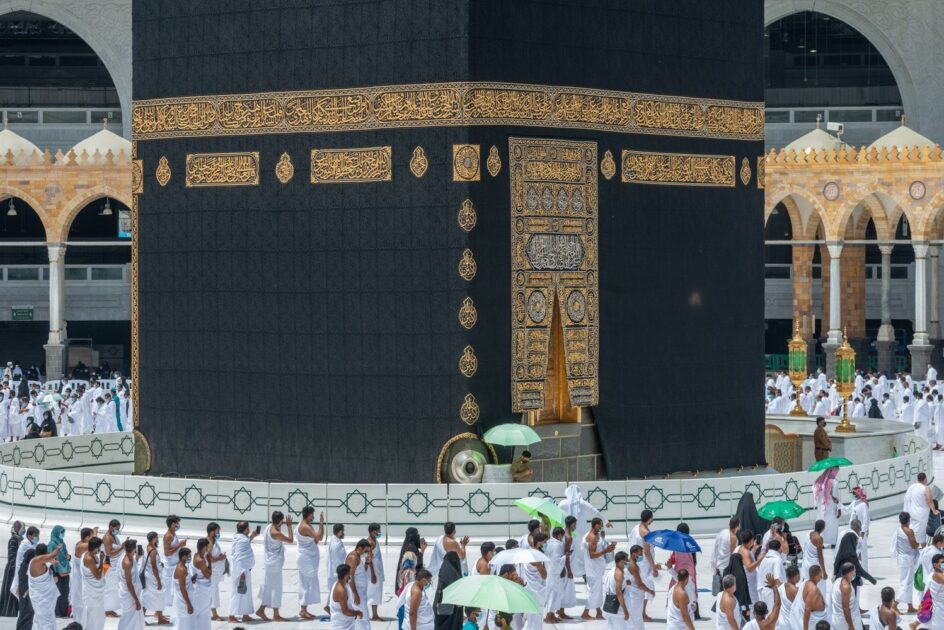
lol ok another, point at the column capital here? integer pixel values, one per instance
(56, 251)
(835, 248)
(920, 249)
(886, 250)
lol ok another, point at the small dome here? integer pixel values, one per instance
(814, 141)
(103, 142)
(10, 141)
(902, 137)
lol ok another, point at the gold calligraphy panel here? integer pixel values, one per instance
(222, 169)
(336, 166)
(446, 104)
(678, 169)
(553, 261)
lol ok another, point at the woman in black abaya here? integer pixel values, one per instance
(8, 603)
(448, 616)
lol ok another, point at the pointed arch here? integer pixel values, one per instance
(7, 191)
(72, 207)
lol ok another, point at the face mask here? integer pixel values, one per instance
(544, 547)
(426, 587)
(378, 536)
(115, 532)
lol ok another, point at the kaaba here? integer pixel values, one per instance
(366, 232)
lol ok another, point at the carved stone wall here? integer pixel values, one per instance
(105, 25)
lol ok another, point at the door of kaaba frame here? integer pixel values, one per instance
(554, 257)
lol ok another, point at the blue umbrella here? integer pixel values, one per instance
(672, 540)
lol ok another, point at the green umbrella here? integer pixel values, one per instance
(512, 435)
(545, 506)
(829, 462)
(493, 593)
(784, 509)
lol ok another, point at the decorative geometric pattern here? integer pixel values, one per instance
(469, 412)
(467, 216)
(467, 266)
(467, 314)
(704, 503)
(468, 362)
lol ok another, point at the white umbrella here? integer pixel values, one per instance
(519, 555)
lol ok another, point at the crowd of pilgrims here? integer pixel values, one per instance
(920, 404)
(71, 408)
(764, 577)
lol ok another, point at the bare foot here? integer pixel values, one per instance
(261, 615)
(911, 609)
(278, 617)
(377, 618)
(586, 616)
(599, 615)
(163, 621)
(550, 618)
(216, 618)
(110, 613)
(562, 615)
(232, 619)
(304, 614)
(248, 619)
(647, 618)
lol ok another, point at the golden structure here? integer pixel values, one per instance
(554, 276)
(796, 353)
(845, 381)
(419, 163)
(284, 169)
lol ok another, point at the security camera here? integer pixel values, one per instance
(837, 127)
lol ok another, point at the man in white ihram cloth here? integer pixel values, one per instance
(575, 505)
(243, 560)
(919, 505)
(42, 588)
(337, 555)
(273, 544)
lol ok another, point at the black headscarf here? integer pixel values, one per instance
(874, 410)
(448, 616)
(8, 603)
(750, 519)
(847, 552)
(411, 542)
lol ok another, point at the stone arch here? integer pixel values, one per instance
(72, 207)
(929, 220)
(879, 205)
(100, 25)
(806, 213)
(7, 191)
(778, 9)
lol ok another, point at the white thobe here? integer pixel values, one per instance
(821, 409)
(575, 505)
(309, 556)
(270, 592)
(888, 409)
(43, 594)
(932, 374)
(242, 561)
(906, 558)
(916, 504)
(375, 589)
(772, 564)
(907, 413)
(337, 555)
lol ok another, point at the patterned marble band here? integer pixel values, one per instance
(677, 169)
(446, 104)
(222, 169)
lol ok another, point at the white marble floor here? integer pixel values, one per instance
(881, 566)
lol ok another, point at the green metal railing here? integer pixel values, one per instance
(776, 362)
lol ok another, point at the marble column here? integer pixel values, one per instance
(920, 347)
(886, 343)
(834, 336)
(934, 326)
(56, 343)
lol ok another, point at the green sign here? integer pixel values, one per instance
(22, 313)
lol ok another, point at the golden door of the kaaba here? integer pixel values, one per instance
(555, 328)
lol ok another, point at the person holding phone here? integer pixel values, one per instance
(171, 549)
(242, 562)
